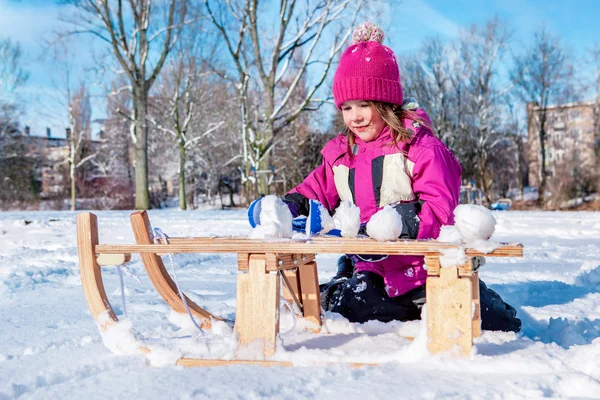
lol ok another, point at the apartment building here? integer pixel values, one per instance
(572, 138)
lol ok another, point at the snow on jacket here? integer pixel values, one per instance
(422, 169)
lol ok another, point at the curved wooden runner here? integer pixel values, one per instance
(158, 274)
(91, 275)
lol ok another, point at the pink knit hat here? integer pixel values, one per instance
(368, 70)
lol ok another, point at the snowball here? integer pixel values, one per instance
(385, 224)
(347, 219)
(275, 220)
(449, 234)
(474, 222)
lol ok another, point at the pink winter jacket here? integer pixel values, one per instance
(381, 174)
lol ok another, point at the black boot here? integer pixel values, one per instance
(330, 291)
(345, 267)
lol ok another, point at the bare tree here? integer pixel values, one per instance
(12, 77)
(541, 75)
(75, 100)
(594, 56)
(427, 76)
(182, 87)
(263, 46)
(114, 163)
(482, 50)
(136, 37)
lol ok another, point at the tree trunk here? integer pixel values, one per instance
(73, 186)
(142, 195)
(542, 188)
(182, 198)
(484, 183)
(72, 171)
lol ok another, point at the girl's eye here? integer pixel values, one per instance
(364, 105)
(345, 108)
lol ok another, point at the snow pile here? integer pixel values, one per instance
(590, 274)
(347, 219)
(275, 220)
(417, 349)
(566, 334)
(385, 224)
(118, 336)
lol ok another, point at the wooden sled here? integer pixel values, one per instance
(451, 292)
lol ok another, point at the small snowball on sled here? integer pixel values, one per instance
(453, 313)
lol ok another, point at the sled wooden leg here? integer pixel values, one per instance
(91, 275)
(449, 312)
(158, 274)
(309, 288)
(476, 305)
(291, 287)
(257, 305)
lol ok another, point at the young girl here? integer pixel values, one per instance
(388, 155)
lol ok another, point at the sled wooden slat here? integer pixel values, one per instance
(283, 261)
(200, 362)
(365, 246)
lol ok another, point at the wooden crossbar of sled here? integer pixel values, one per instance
(453, 309)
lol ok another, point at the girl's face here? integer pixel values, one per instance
(362, 119)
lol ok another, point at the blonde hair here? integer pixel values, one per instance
(392, 115)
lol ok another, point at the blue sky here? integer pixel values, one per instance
(577, 22)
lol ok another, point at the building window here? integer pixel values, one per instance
(574, 114)
(575, 133)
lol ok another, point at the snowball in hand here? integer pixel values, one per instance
(474, 222)
(385, 224)
(347, 219)
(275, 219)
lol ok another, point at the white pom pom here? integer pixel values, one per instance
(474, 222)
(385, 224)
(367, 32)
(347, 219)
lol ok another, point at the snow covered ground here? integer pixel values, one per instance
(50, 347)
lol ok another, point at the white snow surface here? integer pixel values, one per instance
(50, 347)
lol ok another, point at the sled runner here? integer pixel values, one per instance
(453, 312)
